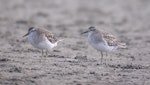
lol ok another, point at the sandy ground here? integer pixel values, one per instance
(73, 61)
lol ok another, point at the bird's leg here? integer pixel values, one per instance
(42, 52)
(42, 55)
(106, 54)
(106, 59)
(101, 57)
(46, 53)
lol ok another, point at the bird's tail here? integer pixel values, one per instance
(60, 40)
(122, 45)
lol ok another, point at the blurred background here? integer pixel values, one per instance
(130, 17)
(65, 15)
(129, 20)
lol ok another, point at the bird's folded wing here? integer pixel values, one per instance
(110, 39)
(51, 37)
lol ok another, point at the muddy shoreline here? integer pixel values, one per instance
(73, 61)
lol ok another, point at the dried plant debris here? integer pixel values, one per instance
(57, 56)
(129, 66)
(81, 57)
(16, 69)
(4, 60)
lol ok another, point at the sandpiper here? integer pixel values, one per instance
(42, 39)
(103, 41)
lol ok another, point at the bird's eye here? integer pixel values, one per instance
(92, 28)
(30, 29)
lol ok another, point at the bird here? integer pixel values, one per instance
(103, 41)
(42, 39)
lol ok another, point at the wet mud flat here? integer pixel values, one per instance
(74, 61)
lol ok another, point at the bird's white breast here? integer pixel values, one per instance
(100, 46)
(37, 42)
(32, 38)
(47, 44)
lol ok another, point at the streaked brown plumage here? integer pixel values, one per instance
(41, 38)
(103, 41)
(50, 36)
(112, 40)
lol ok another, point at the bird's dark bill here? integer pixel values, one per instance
(85, 32)
(26, 34)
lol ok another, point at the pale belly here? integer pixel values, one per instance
(102, 47)
(47, 45)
